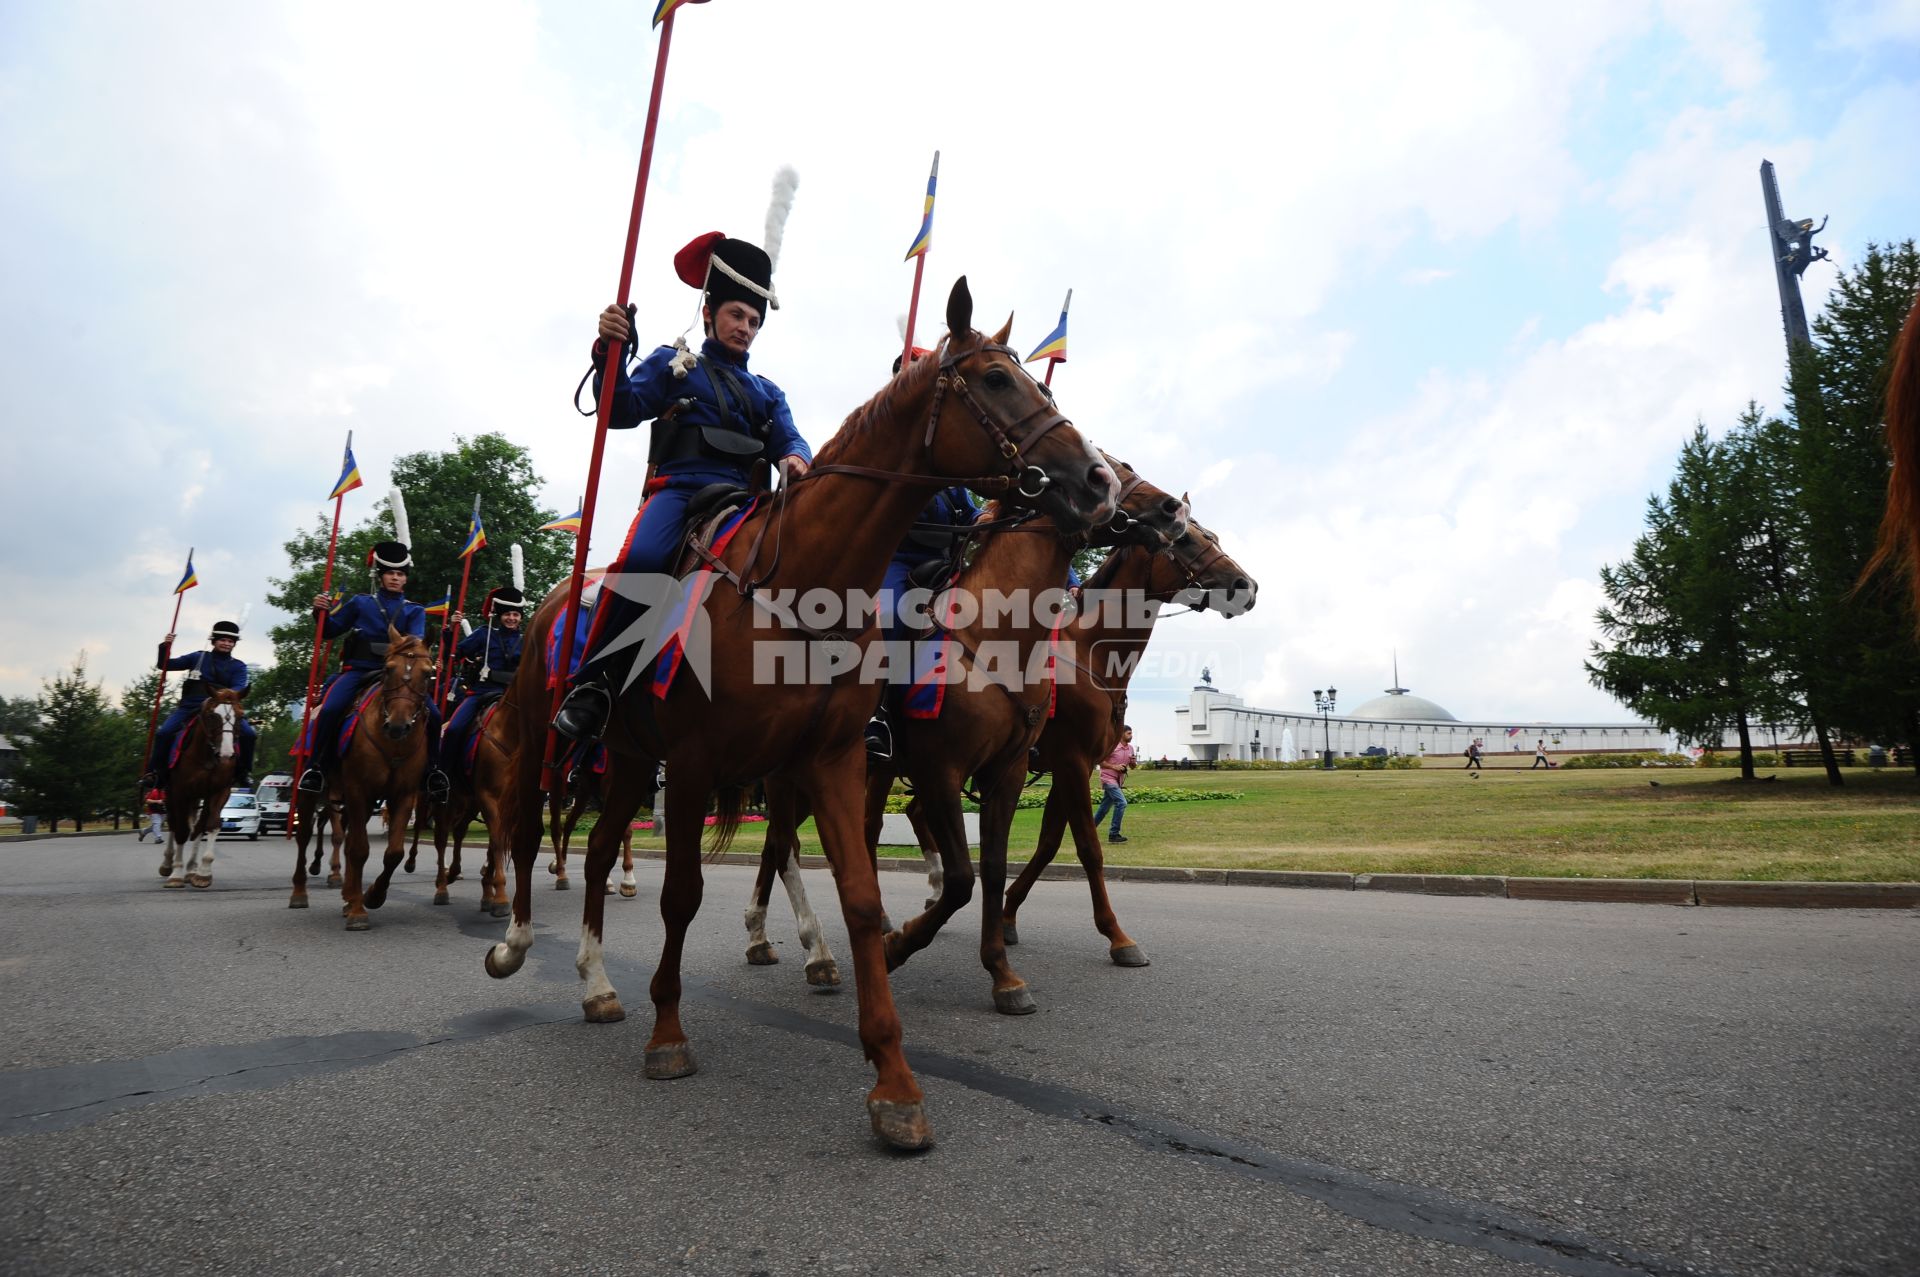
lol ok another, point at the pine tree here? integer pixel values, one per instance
(67, 771)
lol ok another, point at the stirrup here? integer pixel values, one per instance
(439, 786)
(879, 738)
(583, 715)
(313, 781)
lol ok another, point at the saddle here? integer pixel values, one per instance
(709, 510)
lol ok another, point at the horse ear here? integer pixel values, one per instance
(1006, 331)
(959, 310)
(393, 635)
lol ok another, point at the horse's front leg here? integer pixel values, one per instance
(929, 851)
(441, 820)
(353, 903)
(337, 820)
(618, 802)
(1053, 822)
(895, 1105)
(668, 1053)
(944, 823)
(1010, 995)
(1086, 844)
(302, 817)
(200, 864)
(171, 862)
(629, 885)
(400, 814)
(520, 816)
(773, 858)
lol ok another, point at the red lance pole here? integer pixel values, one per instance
(314, 666)
(166, 653)
(444, 670)
(615, 352)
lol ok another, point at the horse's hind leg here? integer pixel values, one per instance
(629, 885)
(200, 865)
(520, 817)
(337, 819)
(564, 838)
(668, 1055)
(352, 899)
(599, 1002)
(173, 861)
(441, 818)
(929, 851)
(1010, 994)
(774, 850)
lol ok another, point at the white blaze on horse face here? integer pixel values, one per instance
(225, 714)
(591, 966)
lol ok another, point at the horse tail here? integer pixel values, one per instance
(1899, 547)
(728, 805)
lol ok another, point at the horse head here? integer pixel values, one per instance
(1209, 576)
(1147, 516)
(999, 421)
(220, 716)
(405, 683)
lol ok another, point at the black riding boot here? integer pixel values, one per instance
(583, 715)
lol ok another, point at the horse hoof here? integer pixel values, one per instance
(823, 973)
(554, 867)
(199, 882)
(604, 1009)
(442, 898)
(374, 899)
(1009, 934)
(409, 865)
(761, 954)
(334, 880)
(502, 961)
(886, 923)
(1014, 1001)
(165, 869)
(298, 902)
(901, 1126)
(1129, 955)
(675, 1059)
(562, 884)
(500, 909)
(629, 889)
(174, 882)
(361, 923)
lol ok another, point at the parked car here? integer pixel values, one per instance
(275, 797)
(241, 815)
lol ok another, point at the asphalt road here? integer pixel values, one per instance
(1302, 1082)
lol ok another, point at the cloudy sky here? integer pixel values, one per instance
(1418, 300)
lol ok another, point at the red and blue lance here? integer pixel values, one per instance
(188, 580)
(663, 16)
(1053, 348)
(922, 241)
(349, 480)
(476, 538)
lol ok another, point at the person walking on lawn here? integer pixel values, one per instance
(1113, 779)
(1473, 757)
(1540, 755)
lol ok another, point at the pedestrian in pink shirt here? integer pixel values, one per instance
(1113, 779)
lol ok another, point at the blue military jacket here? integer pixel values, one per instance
(651, 388)
(210, 670)
(502, 652)
(952, 508)
(366, 617)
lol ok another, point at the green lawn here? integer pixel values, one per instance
(1695, 823)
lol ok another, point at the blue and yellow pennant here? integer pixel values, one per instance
(924, 240)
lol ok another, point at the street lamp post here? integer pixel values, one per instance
(1323, 701)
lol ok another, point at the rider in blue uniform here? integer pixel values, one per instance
(488, 658)
(714, 421)
(364, 620)
(217, 667)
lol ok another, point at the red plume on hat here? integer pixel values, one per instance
(691, 262)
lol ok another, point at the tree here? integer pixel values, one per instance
(19, 716)
(1850, 645)
(67, 770)
(439, 488)
(1687, 645)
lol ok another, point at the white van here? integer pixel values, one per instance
(274, 795)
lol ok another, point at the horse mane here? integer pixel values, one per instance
(406, 645)
(1899, 546)
(904, 386)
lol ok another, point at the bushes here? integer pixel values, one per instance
(1761, 758)
(1036, 798)
(1640, 758)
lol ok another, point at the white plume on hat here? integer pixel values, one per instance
(785, 183)
(401, 532)
(519, 567)
(246, 610)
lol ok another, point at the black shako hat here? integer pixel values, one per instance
(505, 599)
(386, 556)
(225, 629)
(728, 270)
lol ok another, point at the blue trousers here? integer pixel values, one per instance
(244, 739)
(323, 747)
(652, 544)
(1113, 798)
(453, 742)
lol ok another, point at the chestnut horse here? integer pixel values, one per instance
(1899, 548)
(972, 414)
(1086, 726)
(982, 717)
(197, 788)
(988, 723)
(386, 758)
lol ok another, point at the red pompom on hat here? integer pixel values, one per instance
(691, 262)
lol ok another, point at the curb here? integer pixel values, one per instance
(10, 839)
(1624, 891)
